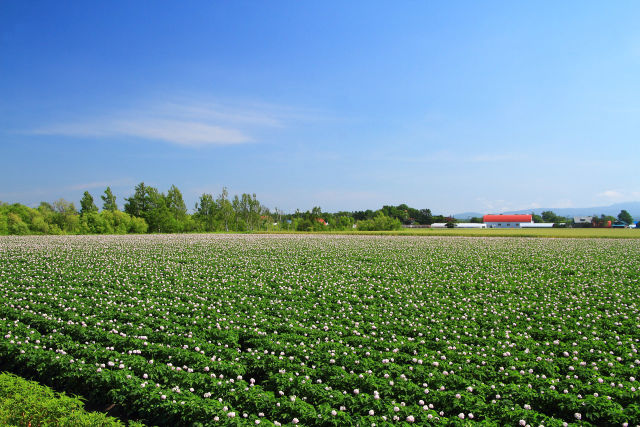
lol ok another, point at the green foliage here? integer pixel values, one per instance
(141, 202)
(86, 204)
(625, 217)
(379, 222)
(109, 200)
(94, 223)
(175, 203)
(137, 225)
(549, 216)
(206, 211)
(27, 403)
(4, 225)
(16, 225)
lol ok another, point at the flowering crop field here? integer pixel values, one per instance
(330, 330)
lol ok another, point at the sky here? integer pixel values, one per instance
(452, 106)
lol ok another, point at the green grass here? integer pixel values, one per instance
(27, 403)
(570, 233)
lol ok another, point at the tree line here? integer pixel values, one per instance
(150, 211)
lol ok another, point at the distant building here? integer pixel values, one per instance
(619, 224)
(507, 221)
(470, 225)
(439, 225)
(536, 225)
(582, 221)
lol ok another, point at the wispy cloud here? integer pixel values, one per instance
(186, 123)
(618, 195)
(493, 158)
(449, 156)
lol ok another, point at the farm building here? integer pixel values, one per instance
(582, 221)
(470, 225)
(507, 221)
(537, 225)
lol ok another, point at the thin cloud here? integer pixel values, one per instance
(492, 158)
(191, 124)
(611, 194)
(182, 132)
(618, 195)
(448, 156)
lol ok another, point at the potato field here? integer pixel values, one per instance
(329, 330)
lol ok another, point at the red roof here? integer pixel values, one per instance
(506, 218)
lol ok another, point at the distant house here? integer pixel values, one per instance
(619, 224)
(322, 221)
(469, 225)
(583, 221)
(507, 221)
(439, 225)
(537, 225)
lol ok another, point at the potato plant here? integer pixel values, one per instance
(330, 330)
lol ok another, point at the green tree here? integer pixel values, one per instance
(625, 217)
(549, 216)
(86, 204)
(142, 200)
(94, 223)
(176, 204)
(379, 222)
(109, 200)
(424, 217)
(206, 210)
(138, 225)
(536, 217)
(66, 216)
(4, 226)
(16, 225)
(225, 207)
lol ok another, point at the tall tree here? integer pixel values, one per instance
(109, 200)
(63, 207)
(237, 210)
(536, 217)
(206, 211)
(86, 204)
(175, 203)
(141, 201)
(549, 216)
(225, 207)
(625, 216)
(66, 216)
(255, 210)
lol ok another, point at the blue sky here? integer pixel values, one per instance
(453, 106)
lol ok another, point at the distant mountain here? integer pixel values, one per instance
(467, 215)
(632, 207)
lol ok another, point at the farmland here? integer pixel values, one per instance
(329, 330)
